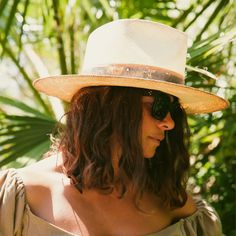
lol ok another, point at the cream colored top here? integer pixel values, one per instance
(17, 219)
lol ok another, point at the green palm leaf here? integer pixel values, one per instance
(24, 136)
(23, 107)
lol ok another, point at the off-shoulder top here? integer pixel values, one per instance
(17, 219)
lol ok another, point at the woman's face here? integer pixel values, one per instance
(153, 130)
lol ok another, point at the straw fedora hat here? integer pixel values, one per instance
(135, 53)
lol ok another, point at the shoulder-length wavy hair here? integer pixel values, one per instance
(94, 116)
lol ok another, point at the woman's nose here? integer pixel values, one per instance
(167, 123)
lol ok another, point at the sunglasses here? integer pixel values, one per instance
(163, 104)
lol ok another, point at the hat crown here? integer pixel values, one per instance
(139, 42)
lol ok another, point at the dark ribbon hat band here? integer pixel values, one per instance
(139, 71)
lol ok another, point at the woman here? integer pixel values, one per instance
(120, 165)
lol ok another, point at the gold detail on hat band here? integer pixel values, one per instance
(139, 71)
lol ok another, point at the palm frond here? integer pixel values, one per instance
(3, 4)
(9, 22)
(212, 44)
(21, 135)
(23, 107)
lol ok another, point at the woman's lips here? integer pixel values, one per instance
(156, 140)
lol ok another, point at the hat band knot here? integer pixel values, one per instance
(139, 71)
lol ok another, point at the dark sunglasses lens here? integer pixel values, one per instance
(161, 105)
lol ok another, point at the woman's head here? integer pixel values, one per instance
(100, 119)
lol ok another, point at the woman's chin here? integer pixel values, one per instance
(149, 155)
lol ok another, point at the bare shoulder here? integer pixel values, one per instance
(188, 209)
(40, 172)
(40, 180)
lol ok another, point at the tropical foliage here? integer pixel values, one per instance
(43, 37)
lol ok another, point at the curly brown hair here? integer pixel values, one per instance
(94, 116)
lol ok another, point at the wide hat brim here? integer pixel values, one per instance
(194, 101)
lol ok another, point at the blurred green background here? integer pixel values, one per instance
(40, 38)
